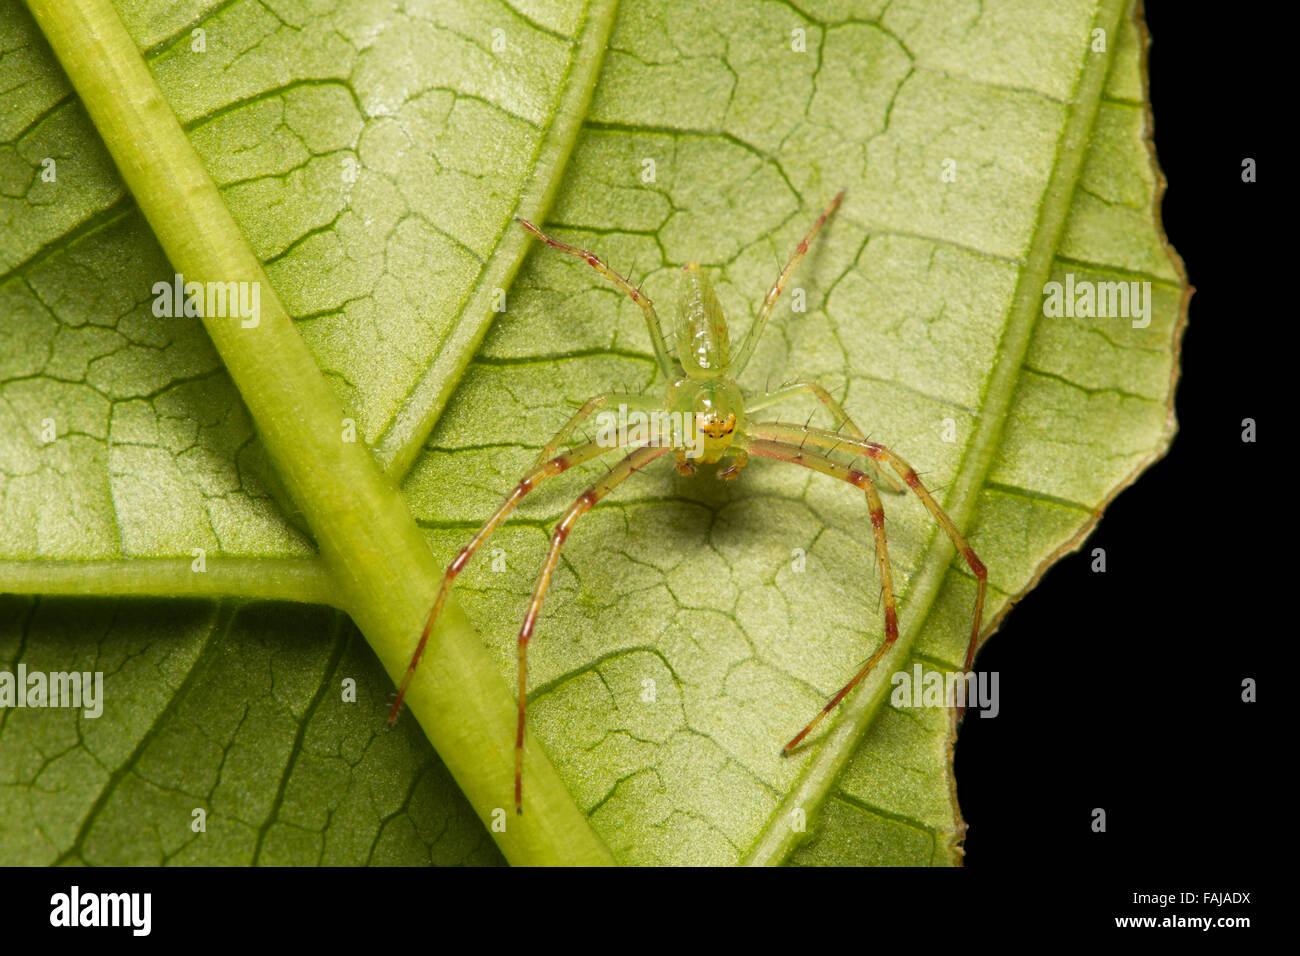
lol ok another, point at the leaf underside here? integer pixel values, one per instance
(686, 587)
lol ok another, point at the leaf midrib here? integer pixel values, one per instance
(459, 696)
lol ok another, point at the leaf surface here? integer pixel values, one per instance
(924, 315)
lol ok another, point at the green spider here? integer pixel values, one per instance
(714, 422)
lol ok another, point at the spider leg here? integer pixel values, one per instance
(842, 420)
(820, 437)
(636, 295)
(765, 312)
(640, 403)
(827, 466)
(562, 463)
(586, 501)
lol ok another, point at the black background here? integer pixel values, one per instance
(1123, 690)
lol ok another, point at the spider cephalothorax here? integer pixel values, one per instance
(710, 419)
(713, 410)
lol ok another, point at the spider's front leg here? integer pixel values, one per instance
(827, 466)
(786, 443)
(837, 412)
(540, 473)
(820, 437)
(586, 501)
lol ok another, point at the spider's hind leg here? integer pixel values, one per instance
(624, 402)
(662, 356)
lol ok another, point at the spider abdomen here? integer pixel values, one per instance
(703, 345)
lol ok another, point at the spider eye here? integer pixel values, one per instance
(716, 428)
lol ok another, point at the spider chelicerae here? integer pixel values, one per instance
(712, 422)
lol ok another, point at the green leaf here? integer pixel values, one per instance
(924, 304)
(235, 712)
(373, 559)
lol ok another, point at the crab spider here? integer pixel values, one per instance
(701, 368)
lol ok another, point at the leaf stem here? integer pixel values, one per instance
(379, 561)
